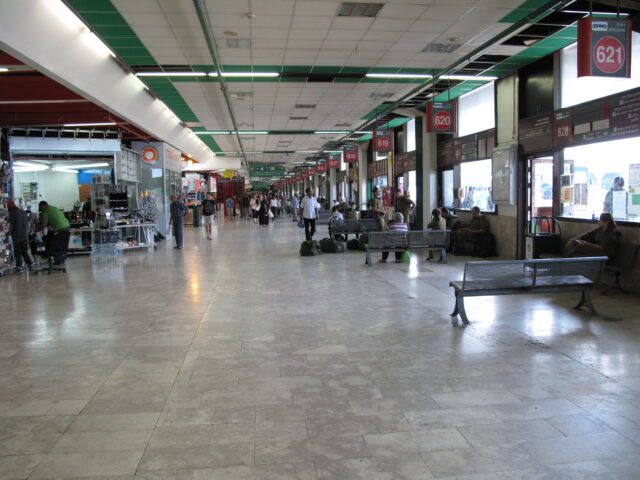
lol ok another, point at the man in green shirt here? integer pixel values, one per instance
(404, 205)
(57, 238)
(376, 206)
(478, 226)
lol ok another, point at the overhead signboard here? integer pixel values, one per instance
(229, 174)
(350, 153)
(333, 161)
(441, 117)
(382, 141)
(604, 47)
(321, 167)
(265, 170)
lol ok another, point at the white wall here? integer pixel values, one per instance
(57, 188)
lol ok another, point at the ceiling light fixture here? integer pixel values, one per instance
(233, 132)
(90, 165)
(171, 74)
(336, 132)
(98, 124)
(64, 170)
(427, 76)
(4, 69)
(245, 74)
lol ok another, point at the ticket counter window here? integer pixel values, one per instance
(475, 183)
(602, 177)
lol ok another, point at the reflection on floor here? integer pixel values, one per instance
(239, 359)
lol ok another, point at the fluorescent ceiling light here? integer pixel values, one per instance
(245, 74)
(232, 132)
(171, 74)
(426, 76)
(64, 170)
(4, 69)
(30, 168)
(98, 124)
(336, 132)
(90, 165)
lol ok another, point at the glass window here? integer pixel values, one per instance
(475, 183)
(411, 188)
(447, 188)
(576, 90)
(602, 177)
(476, 111)
(411, 135)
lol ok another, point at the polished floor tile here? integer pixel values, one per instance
(238, 359)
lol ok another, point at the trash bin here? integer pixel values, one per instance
(543, 235)
(197, 215)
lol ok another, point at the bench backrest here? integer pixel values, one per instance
(429, 238)
(388, 239)
(368, 224)
(524, 273)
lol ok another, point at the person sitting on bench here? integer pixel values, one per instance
(478, 226)
(397, 225)
(57, 230)
(603, 241)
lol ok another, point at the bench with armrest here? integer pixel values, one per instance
(625, 260)
(512, 277)
(419, 240)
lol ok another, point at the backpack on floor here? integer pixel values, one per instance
(310, 249)
(363, 241)
(329, 245)
(353, 244)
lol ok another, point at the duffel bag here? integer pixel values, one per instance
(309, 249)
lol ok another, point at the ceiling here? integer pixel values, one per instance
(322, 57)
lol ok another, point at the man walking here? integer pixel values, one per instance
(295, 206)
(18, 231)
(405, 206)
(309, 210)
(208, 211)
(177, 211)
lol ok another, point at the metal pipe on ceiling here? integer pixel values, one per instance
(544, 10)
(201, 11)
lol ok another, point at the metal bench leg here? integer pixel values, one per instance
(459, 310)
(368, 261)
(443, 255)
(585, 300)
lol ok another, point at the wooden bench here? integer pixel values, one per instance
(512, 277)
(425, 240)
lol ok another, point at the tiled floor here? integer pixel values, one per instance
(239, 359)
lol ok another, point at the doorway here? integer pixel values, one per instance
(540, 187)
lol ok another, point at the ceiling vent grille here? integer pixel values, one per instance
(241, 95)
(349, 9)
(441, 47)
(381, 95)
(305, 105)
(298, 118)
(237, 43)
(342, 125)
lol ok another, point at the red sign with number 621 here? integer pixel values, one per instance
(604, 47)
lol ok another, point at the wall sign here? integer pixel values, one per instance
(441, 117)
(610, 118)
(604, 47)
(149, 155)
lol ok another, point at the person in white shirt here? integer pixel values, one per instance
(309, 211)
(274, 207)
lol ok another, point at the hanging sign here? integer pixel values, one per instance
(265, 170)
(604, 47)
(229, 173)
(381, 141)
(350, 153)
(311, 171)
(333, 161)
(441, 117)
(321, 167)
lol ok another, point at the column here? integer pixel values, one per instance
(426, 174)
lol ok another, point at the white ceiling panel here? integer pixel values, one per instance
(139, 6)
(316, 8)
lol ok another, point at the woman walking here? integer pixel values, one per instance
(263, 214)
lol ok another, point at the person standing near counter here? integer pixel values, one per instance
(177, 211)
(18, 231)
(57, 229)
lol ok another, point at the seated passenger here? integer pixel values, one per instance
(452, 221)
(478, 226)
(437, 223)
(350, 213)
(335, 218)
(603, 241)
(396, 225)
